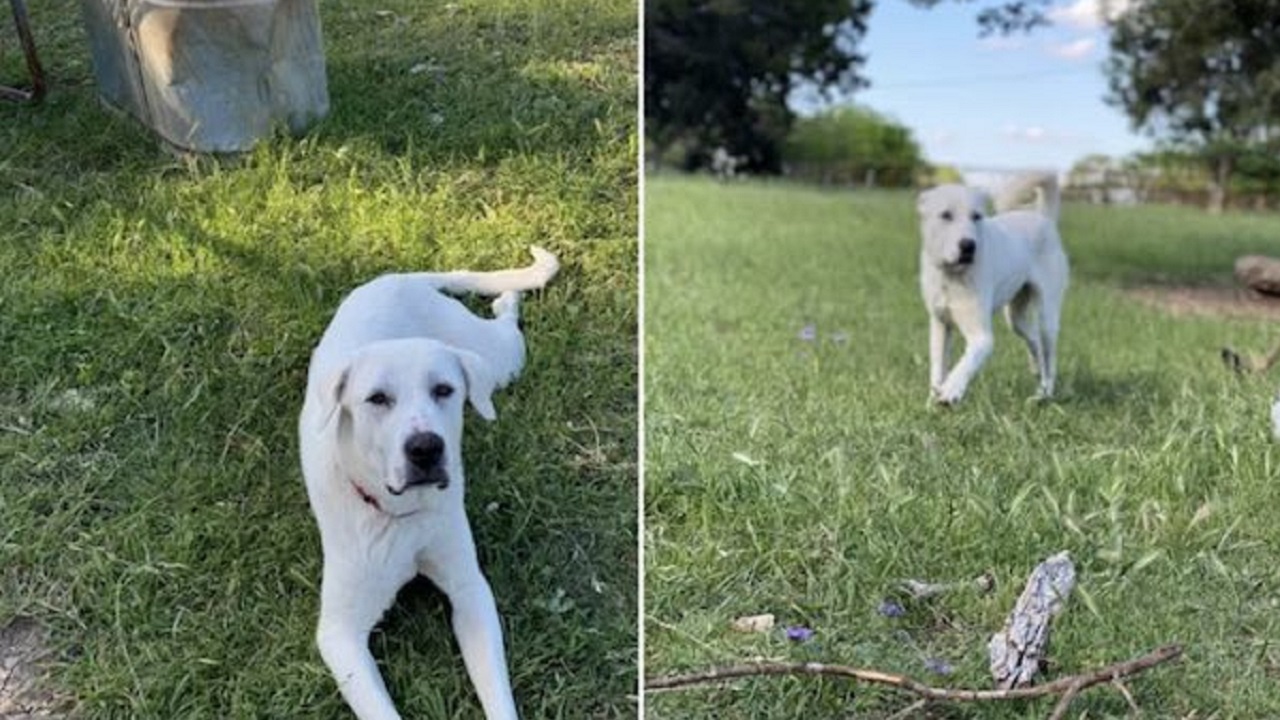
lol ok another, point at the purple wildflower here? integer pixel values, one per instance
(809, 333)
(891, 609)
(799, 633)
(938, 666)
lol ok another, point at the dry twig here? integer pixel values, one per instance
(1244, 364)
(1067, 688)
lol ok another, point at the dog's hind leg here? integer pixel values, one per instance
(1020, 312)
(505, 348)
(1050, 315)
(506, 307)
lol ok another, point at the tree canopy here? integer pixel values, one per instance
(1203, 76)
(853, 145)
(718, 72)
(1006, 17)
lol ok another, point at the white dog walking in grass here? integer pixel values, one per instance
(380, 434)
(971, 265)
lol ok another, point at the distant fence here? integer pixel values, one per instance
(992, 178)
(1124, 195)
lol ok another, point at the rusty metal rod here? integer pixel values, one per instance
(38, 87)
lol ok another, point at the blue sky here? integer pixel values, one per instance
(1022, 101)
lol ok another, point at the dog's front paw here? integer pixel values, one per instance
(1044, 393)
(947, 396)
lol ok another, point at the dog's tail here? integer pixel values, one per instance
(531, 277)
(1045, 186)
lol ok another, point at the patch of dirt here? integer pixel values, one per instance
(23, 652)
(1207, 301)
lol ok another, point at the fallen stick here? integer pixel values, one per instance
(1243, 364)
(1067, 687)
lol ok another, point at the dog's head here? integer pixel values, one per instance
(396, 416)
(951, 225)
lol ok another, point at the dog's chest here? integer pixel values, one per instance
(945, 295)
(359, 533)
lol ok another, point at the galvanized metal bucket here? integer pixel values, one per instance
(210, 75)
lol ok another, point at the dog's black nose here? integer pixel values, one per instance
(424, 449)
(968, 246)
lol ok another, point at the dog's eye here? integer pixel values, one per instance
(947, 216)
(379, 398)
(977, 217)
(440, 391)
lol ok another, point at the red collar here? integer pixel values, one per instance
(372, 501)
(364, 495)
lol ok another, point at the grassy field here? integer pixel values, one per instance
(802, 473)
(156, 317)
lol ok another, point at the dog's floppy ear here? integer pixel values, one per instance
(480, 383)
(331, 391)
(922, 200)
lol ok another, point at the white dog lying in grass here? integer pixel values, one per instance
(971, 265)
(380, 435)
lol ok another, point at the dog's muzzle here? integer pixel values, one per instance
(968, 247)
(425, 455)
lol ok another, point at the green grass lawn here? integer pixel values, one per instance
(1155, 467)
(156, 317)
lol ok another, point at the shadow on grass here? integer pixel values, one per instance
(542, 78)
(1088, 389)
(460, 87)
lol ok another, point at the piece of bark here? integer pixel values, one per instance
(1018, 650)
(753, 623)
(1259, 273)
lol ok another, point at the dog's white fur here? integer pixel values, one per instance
(1017, 262)
(394, 363)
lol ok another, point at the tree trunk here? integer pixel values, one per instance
(1222, 167)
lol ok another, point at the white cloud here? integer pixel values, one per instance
(1075, 50)
(1089, 14)
(999, 43)
(1030, 134)
(941, 138)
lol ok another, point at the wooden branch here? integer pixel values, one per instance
(1067, 688)
(1250, 363)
